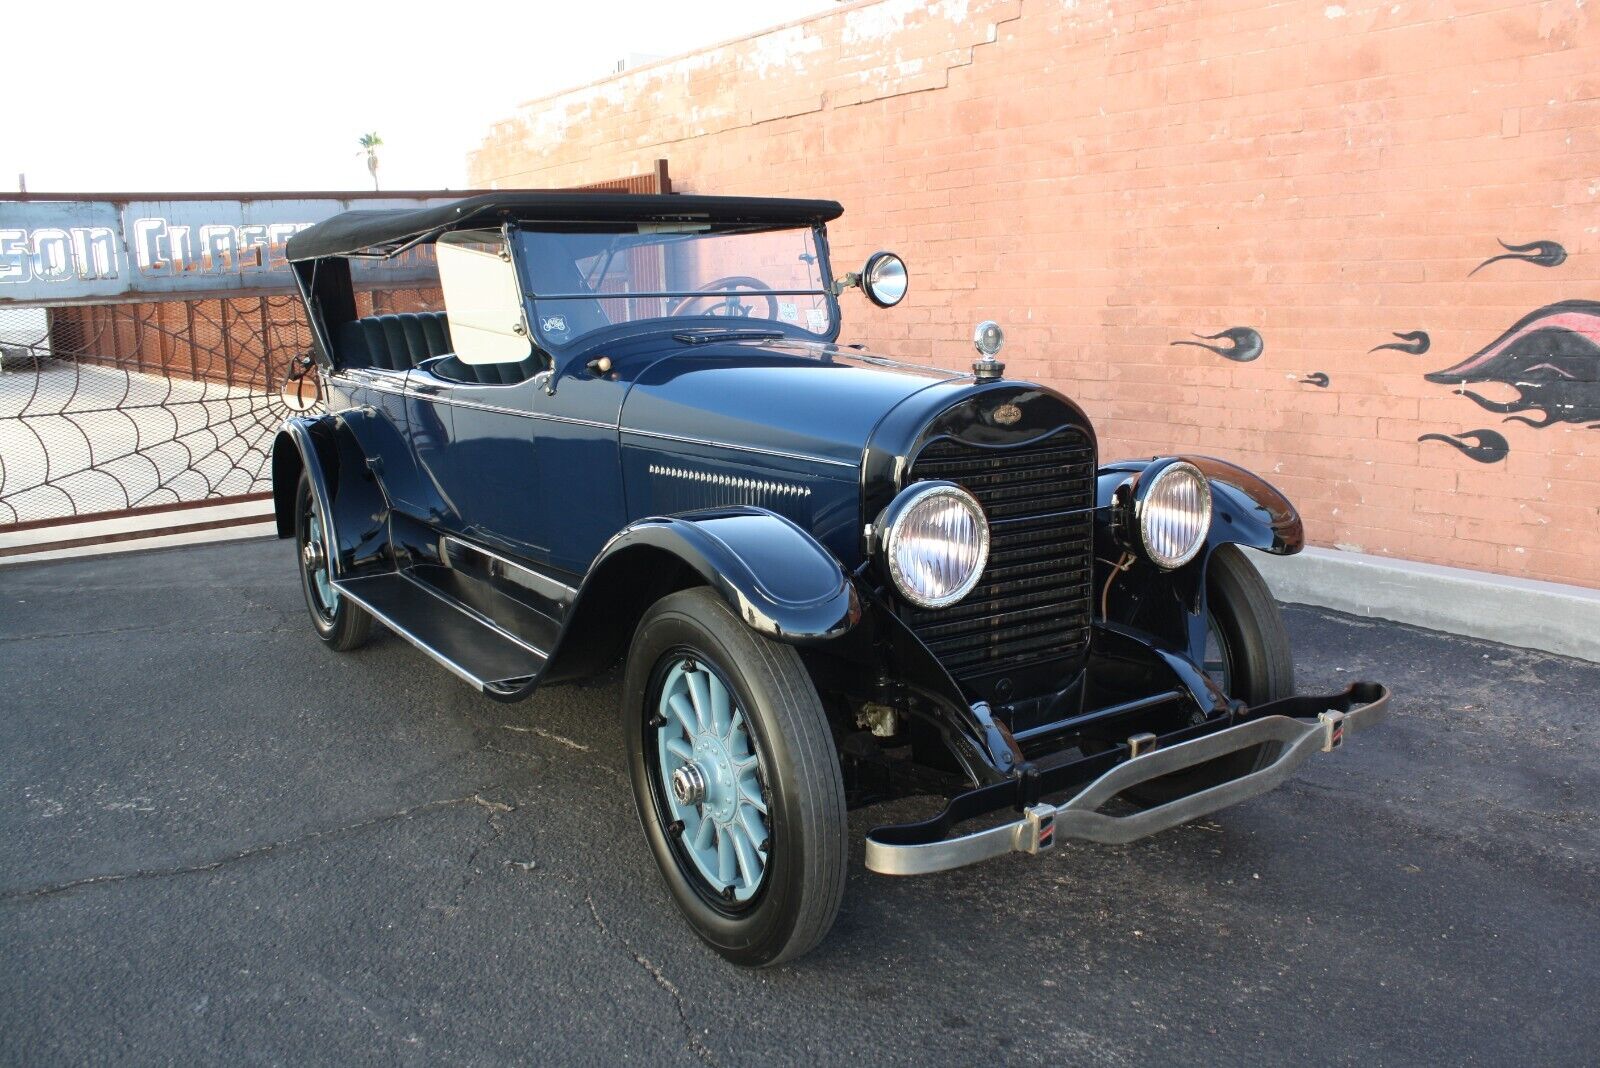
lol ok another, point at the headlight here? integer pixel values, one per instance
(1174, 514)
(936, 542)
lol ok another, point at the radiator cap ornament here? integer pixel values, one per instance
(987, 338)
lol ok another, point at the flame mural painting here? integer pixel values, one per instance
(1551, 357)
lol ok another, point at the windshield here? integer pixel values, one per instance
(587, 277)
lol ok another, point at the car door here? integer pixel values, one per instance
(479, 447)
(581, 497)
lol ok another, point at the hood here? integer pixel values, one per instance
(810, 401)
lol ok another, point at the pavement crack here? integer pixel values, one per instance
(691, 1036)
(497, 831)
(51, 889)
(549, 735)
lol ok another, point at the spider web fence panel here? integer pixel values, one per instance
(159, 415)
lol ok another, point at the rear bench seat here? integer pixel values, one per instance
(401, 342)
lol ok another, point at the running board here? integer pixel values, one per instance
(467, 643)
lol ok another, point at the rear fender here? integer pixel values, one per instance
(352, 505)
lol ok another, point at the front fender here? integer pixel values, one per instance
(1169, 606)
(1246, 508)
(773, 575)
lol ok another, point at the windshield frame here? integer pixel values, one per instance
(562, 352)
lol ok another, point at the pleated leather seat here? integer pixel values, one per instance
(394, 342)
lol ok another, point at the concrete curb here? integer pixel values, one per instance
(1523, 612)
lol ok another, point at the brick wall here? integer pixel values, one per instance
(1107, 178)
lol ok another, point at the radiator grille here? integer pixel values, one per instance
(1032, 603)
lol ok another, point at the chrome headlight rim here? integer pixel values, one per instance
(1145, 513)
(892, 525)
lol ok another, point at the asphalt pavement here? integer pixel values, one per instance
(222, 843)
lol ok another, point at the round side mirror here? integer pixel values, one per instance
(884, 279)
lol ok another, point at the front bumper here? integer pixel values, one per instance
(1298, 726)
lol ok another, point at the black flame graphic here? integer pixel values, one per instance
(1243, 344)
(1542, 253)
(1316, 378)
(1486, 447)
(1412, 343)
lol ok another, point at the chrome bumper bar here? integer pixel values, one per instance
(1299, 737)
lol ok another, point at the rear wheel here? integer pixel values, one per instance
(1247, 654)
(340, 622)
(736, 779)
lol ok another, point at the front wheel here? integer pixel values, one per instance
(736, 779)
(1248, 654)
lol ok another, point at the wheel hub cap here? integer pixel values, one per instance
(689, 785)
(715, 797)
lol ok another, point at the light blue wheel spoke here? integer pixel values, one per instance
(685, 712)
(754, 825)
(745, 854)
(721, 711)
(750, 787)
(700, 695)
(710, 776)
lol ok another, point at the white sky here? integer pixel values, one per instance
(271, 95)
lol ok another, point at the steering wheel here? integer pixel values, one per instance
(728, 303)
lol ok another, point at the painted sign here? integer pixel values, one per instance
(72, 251)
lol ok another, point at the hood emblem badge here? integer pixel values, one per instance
(1007, 414)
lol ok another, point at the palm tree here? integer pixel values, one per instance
(370, 142)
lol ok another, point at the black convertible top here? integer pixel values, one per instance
(386, 231)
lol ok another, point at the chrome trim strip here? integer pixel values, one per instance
(748, 485)
(457, 402)
(592, 295)
(740, 448)
(536, 578)
(391, 382)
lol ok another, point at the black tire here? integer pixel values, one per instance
(1256, 665)
(340, 623)
(803, 879)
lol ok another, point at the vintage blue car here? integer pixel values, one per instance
(833, 578)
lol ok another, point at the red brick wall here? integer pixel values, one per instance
(1106, 178)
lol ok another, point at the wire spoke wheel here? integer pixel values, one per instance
(710, 776)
